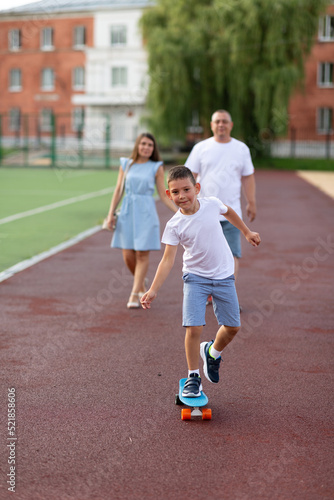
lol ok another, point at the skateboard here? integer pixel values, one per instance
(194, 405)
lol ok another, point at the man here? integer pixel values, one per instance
(223, 166)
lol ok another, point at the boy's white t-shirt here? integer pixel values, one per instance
(220, 167)
(206, 251)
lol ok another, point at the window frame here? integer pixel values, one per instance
(324, 120)
(47, 44)
(15, 86)
(326, 74)
(15, 119)
(79, 32)
(117, 80)
(119, 31)
(326, 26)
(45, 119)
(14, 35)
(78, 71)
(45, 86)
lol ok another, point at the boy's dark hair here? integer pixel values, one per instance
(180, 172)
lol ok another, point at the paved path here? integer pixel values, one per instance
(95, 383)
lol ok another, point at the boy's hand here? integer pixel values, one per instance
(253, 238)
(147, 298)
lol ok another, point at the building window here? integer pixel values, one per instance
(78, 118)
(118, 35)
(15, 80)
(79, 78)
(47, 39)
(47, 79)
(325, 75)
(14, 39)
(79, 36)
(325, 120)
(326, 28)
(14, 119)
(46, 120)
(119, 77)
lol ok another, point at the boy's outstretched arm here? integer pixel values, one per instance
(252, 237)
(161, 274)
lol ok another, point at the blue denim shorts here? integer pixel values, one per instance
(232, 235)
(196, 290)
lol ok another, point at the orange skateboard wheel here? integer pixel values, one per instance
(186, 414)
(206, 414)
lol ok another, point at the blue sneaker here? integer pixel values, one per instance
(192, 387)
(210, 364)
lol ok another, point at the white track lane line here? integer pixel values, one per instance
(8, 273)
(57, 204)
(20, 266)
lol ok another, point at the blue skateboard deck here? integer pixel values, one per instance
(194, 404)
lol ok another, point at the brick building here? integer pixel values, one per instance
(81, 61)
(311, 109)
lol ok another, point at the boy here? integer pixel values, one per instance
(208, 268)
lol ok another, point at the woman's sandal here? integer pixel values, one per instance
(134, 305)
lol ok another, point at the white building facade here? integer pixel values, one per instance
(116, 78)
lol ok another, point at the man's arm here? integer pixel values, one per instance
(248, 188)
(161, 274)
(252, 237)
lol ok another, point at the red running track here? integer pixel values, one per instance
(95, 383)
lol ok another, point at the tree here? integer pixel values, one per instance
(246, 56)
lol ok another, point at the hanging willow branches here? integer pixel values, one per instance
(246, 56)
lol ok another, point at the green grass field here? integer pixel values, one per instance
(24, 189)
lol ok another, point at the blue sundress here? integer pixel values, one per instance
(138, 226)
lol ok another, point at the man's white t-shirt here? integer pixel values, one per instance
(220, 167)
(206, 251)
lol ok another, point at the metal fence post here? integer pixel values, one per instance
(80, 145)
(53, 140)
(26, 139)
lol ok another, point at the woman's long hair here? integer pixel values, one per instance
(155, 156)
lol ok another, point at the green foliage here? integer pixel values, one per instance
(246, 56)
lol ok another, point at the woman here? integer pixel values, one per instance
(138, 229)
